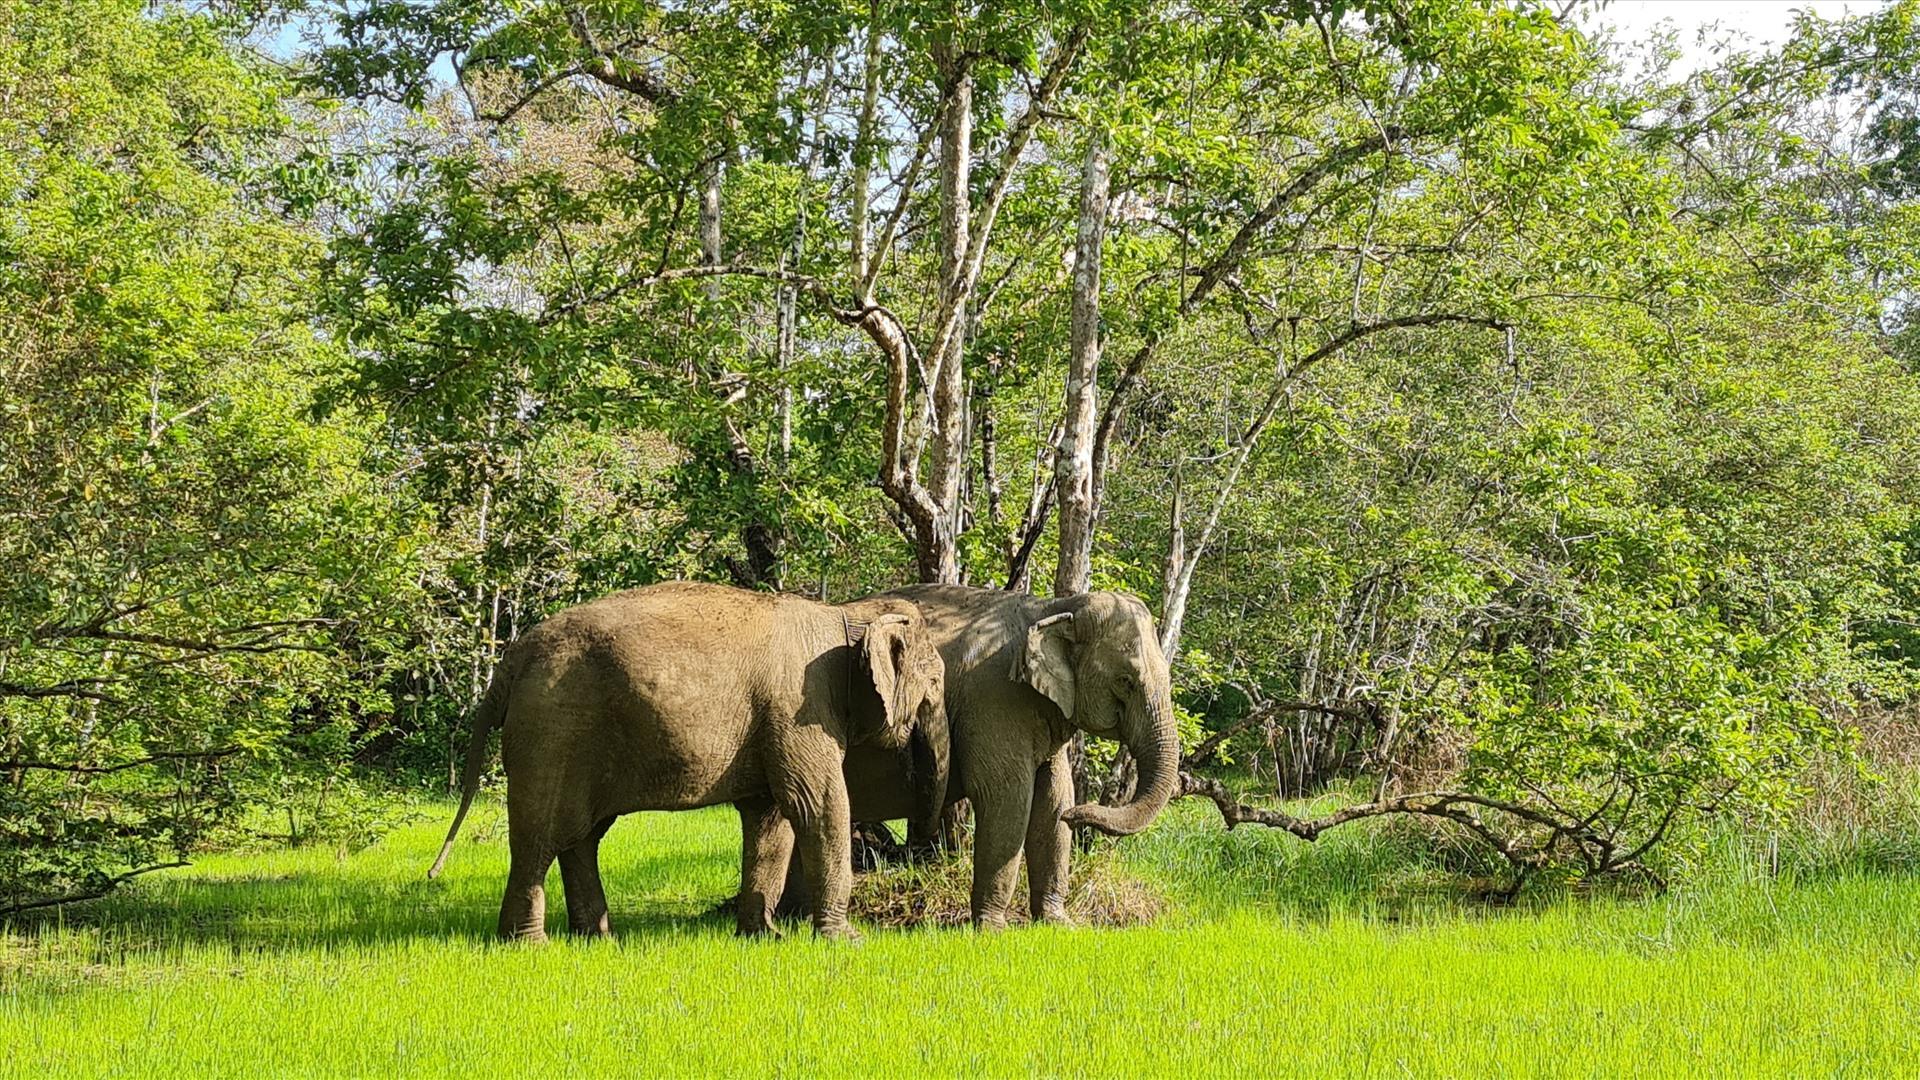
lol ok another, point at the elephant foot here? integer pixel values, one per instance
(599, 931)
(524, 937)
(989, 923)
(1053, 913)
(839, 932)
(759, 929)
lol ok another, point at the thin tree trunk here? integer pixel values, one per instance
(1174, 569)
(989, 440)
(947, 458)
(863, 147)
(761, 540)
(480, 658)
(711, 179)
(1073, 484)
(1073, 465)
(1039, 508)
(935, 507)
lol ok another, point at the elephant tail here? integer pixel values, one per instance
(487, 715)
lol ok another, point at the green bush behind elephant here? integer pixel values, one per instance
(685, 695)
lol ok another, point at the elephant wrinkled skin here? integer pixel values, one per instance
(1022, 674)
(683, 695)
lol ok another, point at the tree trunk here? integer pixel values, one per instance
(761, 540)
(787, 307)
(947, 457)
(936, 508)
(863, 147)
(1073, 467)
(711, 178)
(480, 658)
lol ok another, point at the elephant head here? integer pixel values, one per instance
(1098, 659)
(900, 681)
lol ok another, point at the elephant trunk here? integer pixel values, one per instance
(1155, 745)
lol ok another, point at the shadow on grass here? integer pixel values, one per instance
(323, 906)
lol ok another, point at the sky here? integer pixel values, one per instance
(1763, 20)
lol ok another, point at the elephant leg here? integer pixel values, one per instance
(765, 850)
(523, 912)
(795, 901)
(999, 830)
(1049, 840)
(814, 799)
(586, 896)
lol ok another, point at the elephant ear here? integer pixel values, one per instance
(1046, 663)
(885, 651)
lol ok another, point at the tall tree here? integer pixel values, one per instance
(199, 572)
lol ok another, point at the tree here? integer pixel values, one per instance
(1410, 310)
(196, 567)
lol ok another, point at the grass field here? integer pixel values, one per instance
(1274, 958)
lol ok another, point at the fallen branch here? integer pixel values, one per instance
(111, 884)
(96, 770)
(1600, 850)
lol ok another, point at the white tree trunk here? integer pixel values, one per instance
(947, 464)
(1074, 465)
(710, 253)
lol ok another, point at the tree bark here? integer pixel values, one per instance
(947, 462)
(787, 308)
(1073, 467)
(863, 147)
(712, 176)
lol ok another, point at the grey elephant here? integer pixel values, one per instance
(1022, 674)
(685, 695)
(883, 784)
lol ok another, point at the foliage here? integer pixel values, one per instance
(1484, 412)
(195, 568)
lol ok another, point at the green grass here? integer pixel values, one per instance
(1348, 957)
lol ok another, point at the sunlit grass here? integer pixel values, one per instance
(1350, 956)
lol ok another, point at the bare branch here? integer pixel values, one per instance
(1598, 848)
(863, 153)
(891, 229)
(73, 688)
(1227, 261)
(98, 770)
(74, 898)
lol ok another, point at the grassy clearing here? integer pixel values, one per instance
(1347, 957)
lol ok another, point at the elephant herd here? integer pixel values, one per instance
(808, 717)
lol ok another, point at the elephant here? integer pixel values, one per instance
(1022, 674)
(683, 695)
(882, 785)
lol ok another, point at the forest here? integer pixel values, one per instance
(1511, 429)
